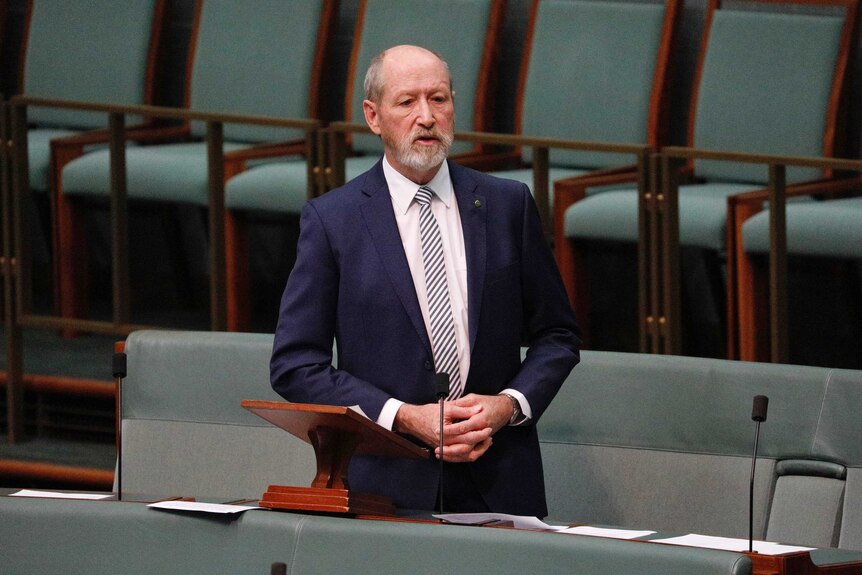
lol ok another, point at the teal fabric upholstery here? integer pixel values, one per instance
(766, 83)
(684, 425)
(246, 61)
(107, 537)
(806, 510)
(613, 215)
(632, 440)
(167, 173)
(831, 228)
(456, 549)
(93, 51)
(184, 430)
(590, 76)
(282, 188)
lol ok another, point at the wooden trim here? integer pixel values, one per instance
(525, 68)
(712, 6)
(658, 122)
(101, 479)
(354, 59)
(488, 76)
(190, 56)
(320, 79)
(65, 385)
(25, 39)
(154, 51)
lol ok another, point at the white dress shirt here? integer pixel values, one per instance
(445, 210)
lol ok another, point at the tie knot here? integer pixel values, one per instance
(423, 196)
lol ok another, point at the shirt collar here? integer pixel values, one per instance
(403, 190)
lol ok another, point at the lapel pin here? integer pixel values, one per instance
(478, 203)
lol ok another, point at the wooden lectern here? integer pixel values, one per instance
(335, 433)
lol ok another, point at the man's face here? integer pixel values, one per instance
(415, 115)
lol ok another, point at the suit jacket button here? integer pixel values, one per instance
(428, 365)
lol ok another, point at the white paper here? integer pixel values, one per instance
(605, 532)
(59, 495)
(358, 410)
(201, 507)
(518, 521)
(730, 544)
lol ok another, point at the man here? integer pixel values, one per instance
(369, 274)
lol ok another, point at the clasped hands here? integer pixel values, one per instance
(469, 422)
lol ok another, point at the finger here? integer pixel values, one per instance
(470, 438)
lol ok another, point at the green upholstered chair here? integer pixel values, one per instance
(268, 58)
(817, 230)
(594, 71)
(99, 51)
(470, 48)
(769, 80)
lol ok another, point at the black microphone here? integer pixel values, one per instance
(118, 369)
(441, 387)
(758, 414)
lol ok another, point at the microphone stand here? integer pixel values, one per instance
(118, 369)
(758, 414)
(441, 383)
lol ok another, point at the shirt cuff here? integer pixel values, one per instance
(387, 414)
(526, 412)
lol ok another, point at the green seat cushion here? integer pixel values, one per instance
(818, 228)
(276, 187)
(613, 215)
(554, 174)
(170, 173)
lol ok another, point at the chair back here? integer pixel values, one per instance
(265, 58)
(770, 83)
(596, 71)
(93, 51)
(464, 32)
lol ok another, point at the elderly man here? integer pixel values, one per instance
(421, 266)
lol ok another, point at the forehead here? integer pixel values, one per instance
(410, 71)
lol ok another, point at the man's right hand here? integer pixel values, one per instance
(466, 431)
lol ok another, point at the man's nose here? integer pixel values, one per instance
(424, 114)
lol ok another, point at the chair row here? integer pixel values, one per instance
(592, 71)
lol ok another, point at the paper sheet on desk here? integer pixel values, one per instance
(730, 544)
(605, 532)
(59, 495)
(517, 521)
(201, 507)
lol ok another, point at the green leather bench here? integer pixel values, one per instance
(639, 441)
(109, 537)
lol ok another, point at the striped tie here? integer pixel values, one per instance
(443, 341)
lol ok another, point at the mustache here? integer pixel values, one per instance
(433, 133)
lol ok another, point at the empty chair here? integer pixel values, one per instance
(826, 233)
(269, 58)
(470, 48)
(98, 51)
(767, 81)
(593, 71)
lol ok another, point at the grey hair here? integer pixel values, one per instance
(374, 76)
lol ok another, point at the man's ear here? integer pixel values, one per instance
(370, 110)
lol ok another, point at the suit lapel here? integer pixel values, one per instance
(472, 206)
(383, 229)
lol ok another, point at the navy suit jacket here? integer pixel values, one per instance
(351, 282)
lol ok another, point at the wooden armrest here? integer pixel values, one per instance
(825, 187)
(139, 133)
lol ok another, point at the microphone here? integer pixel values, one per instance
(758, 414)
(118, 369)
(441, 387)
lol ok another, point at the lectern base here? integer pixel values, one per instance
(341, 501)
